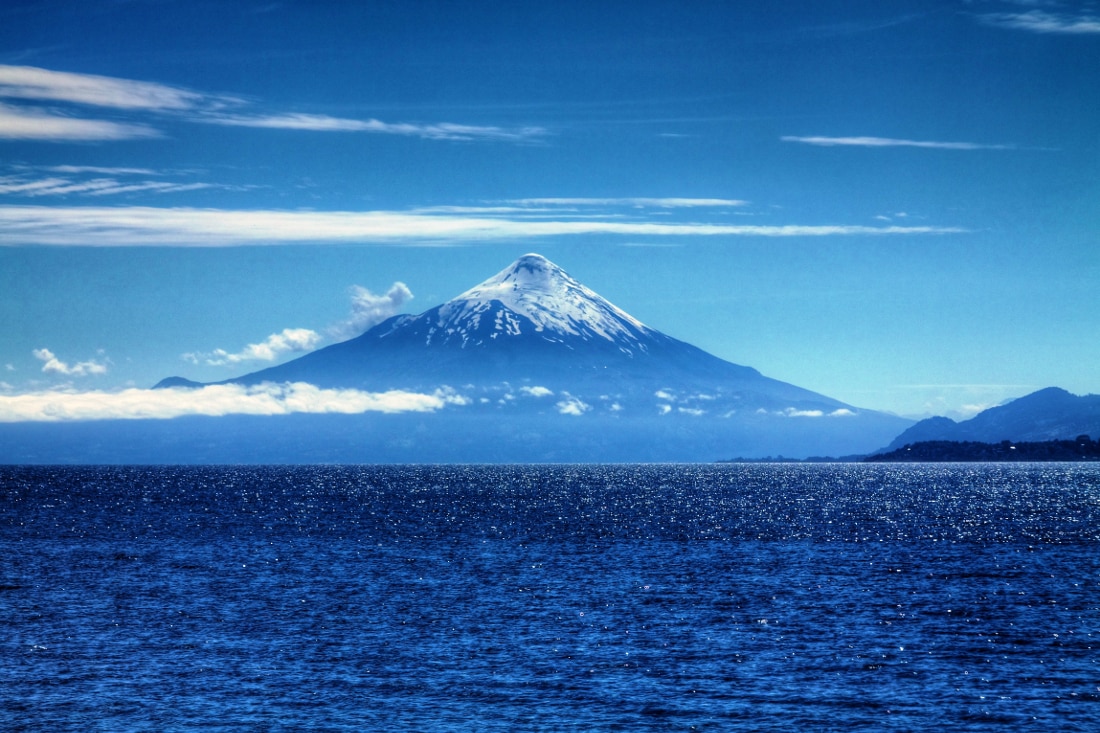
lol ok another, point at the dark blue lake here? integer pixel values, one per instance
(959, 597)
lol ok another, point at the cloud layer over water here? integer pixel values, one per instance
(215, 400)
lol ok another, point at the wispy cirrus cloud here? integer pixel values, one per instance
(29, 82)
(191, 227)
(1046, 21)
(640, 202)
(324, 123)
(91, 90)
(887, 142)
(57, 186)
(31, 123)
(133, 96)
(106, 170)
(215, 400)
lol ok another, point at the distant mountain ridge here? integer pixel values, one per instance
(1081, 448)
(1045, 415)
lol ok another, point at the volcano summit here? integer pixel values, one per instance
(539, 367)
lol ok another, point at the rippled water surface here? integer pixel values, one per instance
(551, 598)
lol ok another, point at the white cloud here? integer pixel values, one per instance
(46, 85)
(177, 227)
(108, 170)
(694, 411)
(110, 187)
(664, 203)
(53, 365)
(325, 123)
(662, 394)
(664, 409)
(794, 412)
(485, 210)
(22, 186)
(572, 406)
(215, 400)
(25, 123)
(1042, 21)
(886, 142)
(536, 391)
(369, 309)
(287, 341)
(29, 82)
(967, 411)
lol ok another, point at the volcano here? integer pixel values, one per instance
(529, 323)
(540, 367)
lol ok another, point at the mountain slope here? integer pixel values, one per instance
(547, 369)
(531, 323)
(1049, 414)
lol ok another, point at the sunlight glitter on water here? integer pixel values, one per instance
(550, 598)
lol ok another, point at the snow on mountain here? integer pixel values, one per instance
(531, 346)
(534, 294)
(532, 324)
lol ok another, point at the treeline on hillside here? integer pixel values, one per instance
(1081, 448)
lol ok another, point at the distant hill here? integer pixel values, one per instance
(1083, 448)
(1046, 415)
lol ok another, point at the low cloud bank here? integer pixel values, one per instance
(215, 400)
(795, 412)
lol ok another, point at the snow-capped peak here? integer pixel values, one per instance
(538, 296)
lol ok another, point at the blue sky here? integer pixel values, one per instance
(896, 204)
